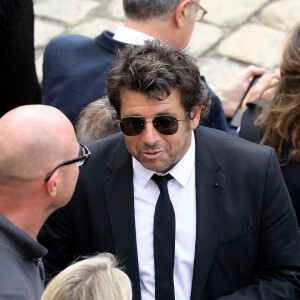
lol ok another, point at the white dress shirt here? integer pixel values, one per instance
(131, 36)
(183, 197)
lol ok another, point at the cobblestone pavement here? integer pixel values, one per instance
(232, 35)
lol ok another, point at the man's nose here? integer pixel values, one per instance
(150, 135)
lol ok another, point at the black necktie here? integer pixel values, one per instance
(164, 241)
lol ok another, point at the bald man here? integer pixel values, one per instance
(38, 173)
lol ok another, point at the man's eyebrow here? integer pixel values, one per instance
(162, 113)
(165, 113)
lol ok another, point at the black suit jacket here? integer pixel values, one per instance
(247, 239)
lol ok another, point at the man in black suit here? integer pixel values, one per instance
(231, 230)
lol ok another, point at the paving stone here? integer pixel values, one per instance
(282, 14)
(115, 9)
(254, 44)
(44, 31)
(218, 70)
(204, 37)
(68, 11)
(39, 57)
(96, 26)
(230, 12)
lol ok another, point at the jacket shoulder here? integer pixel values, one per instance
(223, 143)
(104, 149)
(64, 40)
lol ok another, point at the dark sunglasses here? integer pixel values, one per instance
(166, 125)
(80, 160)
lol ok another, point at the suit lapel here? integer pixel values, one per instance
(209, 191)
(120, 205)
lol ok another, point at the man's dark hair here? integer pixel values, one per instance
(144, 9)
(155, 70)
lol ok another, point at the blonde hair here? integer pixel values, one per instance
(95, 278)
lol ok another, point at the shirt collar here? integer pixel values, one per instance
(181, 171)
(131, 36)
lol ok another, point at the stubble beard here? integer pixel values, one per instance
(161, 166)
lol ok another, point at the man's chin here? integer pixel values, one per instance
(156, 166)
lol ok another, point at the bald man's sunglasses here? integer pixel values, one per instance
(166, 125)
(80, 160)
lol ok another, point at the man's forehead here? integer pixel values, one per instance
(162, 95)
(135, 103)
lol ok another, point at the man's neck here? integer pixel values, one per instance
(30, 219)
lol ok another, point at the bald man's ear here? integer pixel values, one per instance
(182, 11)
(52, 184)
(195, 116)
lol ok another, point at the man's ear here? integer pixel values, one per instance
(195, 116)
(182, 11)
(52, 183)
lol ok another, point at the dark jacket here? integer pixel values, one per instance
(18, 80)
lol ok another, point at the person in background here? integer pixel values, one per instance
(273, 115)
(192, 213)
(95, 278)
(75, 67)
(18, 80)
(97, 120)
(38, 173)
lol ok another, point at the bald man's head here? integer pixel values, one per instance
(34, 139)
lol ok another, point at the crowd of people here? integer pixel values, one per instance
(170, 204)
